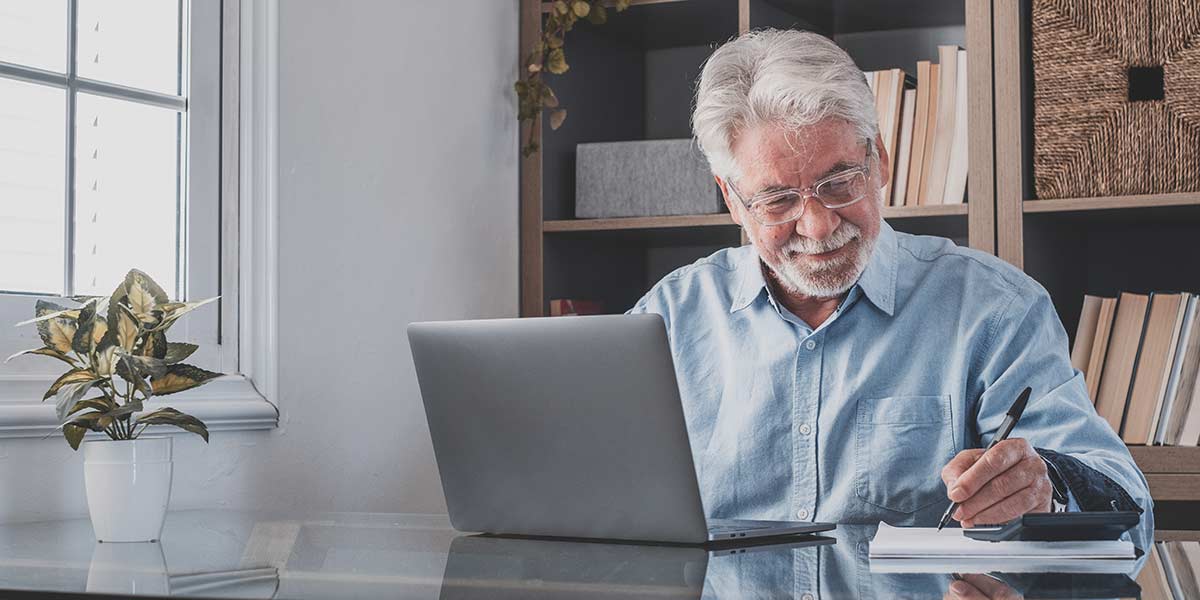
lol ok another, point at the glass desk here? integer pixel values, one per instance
(231, 554)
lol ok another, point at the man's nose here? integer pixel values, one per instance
(817, 222)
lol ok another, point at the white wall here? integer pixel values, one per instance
(398, 202)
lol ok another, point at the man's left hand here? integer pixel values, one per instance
(999, 485)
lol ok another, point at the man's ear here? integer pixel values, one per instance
(885, 164)
(729, 201)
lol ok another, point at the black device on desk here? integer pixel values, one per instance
(1058, 527)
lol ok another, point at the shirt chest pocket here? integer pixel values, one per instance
(902, 443)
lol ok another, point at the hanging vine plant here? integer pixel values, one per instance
(533, 94)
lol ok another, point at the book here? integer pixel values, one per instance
(956, 171)
(1119, 360)
(904, 151)
(1160, 336)
(1189, 433)
(1169, 414)
(944, 133)
(570, 308)
(1179, 571)
(931, 124)
(1153, 577)
(1186, 558)
(1085, 334)
(1095, 370)
(895, 94)
(920, 127)
(1189, 369)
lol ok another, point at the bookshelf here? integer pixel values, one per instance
(632, 78)
(1078, 246)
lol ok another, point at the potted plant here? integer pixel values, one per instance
(119, 358)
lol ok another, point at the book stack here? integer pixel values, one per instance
(1139, 356)
(1171, 572)
(923, 123)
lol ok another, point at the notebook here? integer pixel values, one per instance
(950, 544)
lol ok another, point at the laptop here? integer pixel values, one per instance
(496, 567)
(566, 427)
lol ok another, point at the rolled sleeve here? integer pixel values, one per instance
(1030, 348)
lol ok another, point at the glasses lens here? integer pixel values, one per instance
(843, 189)
(778, 207)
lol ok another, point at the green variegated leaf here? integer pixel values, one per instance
(72, 376)
(180, 377)
(178, 351)
(85, 326)
(154, 345)
(56, 325)
(51, 352)
(170, 416)
(133, 406)
(144, 365)
(130, 373)
(74, 434)
(106, 360)
(143, 294)
(99, 404)
(127, 327)
(173, 310)
(68, 395)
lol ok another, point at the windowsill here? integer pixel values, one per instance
(229, 403)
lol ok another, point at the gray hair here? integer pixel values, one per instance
(788, 78)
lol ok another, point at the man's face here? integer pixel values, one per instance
(822, 253)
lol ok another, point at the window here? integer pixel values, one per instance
(120, 148)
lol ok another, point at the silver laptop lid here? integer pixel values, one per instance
(564, 426)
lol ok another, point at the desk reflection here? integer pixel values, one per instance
(836, 566)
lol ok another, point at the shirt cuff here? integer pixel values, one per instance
(1084, 488)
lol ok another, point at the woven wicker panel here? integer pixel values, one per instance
(1089, 138)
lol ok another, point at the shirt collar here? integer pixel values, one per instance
(877, 282)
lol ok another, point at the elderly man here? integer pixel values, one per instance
(837, 370)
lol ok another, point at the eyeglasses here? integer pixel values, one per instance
(777, 207)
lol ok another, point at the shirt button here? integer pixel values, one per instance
(810, 344)
(805, 429)
(802, 513)
(807, 596)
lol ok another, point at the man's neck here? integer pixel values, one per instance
(812, 310)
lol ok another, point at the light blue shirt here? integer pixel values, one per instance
(852, 422)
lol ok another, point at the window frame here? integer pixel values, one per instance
(247, 262)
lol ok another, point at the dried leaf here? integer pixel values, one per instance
(557, 117)
(180, 377)
(561, 7)
(598, 16)
(581, 8)
(549, 100)
(556, 62)
(622, 5)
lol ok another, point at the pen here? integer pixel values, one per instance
(1010, 421)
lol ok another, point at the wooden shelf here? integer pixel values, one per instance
(625, 223)
(1177, 535)
(916, 212)
(1167, 459)
(1111, 203)
(724, 220)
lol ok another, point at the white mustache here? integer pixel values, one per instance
(844, 234)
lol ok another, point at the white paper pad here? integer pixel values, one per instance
(949, 544)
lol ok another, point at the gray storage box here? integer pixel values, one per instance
(643, 179)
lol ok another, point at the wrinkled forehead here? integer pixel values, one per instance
(770, 156)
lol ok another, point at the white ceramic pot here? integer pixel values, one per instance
(128, 486)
